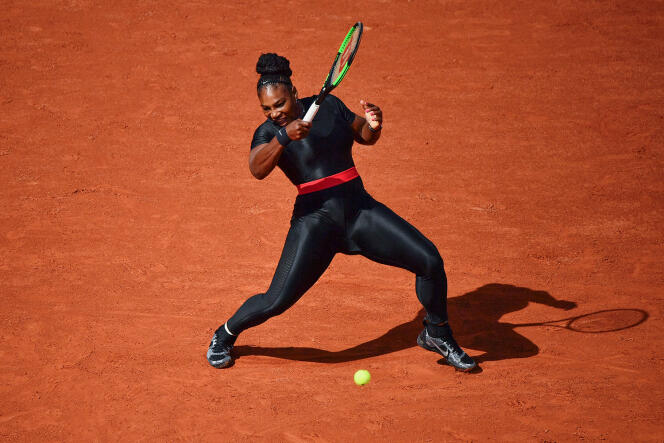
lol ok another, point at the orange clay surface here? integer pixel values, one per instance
(524, 139)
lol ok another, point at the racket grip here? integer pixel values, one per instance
(311, 113)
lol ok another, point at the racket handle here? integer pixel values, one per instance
(311, 113)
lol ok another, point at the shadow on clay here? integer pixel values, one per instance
(474, 318)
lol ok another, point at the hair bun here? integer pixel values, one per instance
(271, 64)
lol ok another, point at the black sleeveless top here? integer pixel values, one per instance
(327, 149)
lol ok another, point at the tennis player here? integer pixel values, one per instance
(333, 212)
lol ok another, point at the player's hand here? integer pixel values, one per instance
(298, 129)
(372, 114)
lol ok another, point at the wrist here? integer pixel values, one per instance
(282, 137)
(374, 130)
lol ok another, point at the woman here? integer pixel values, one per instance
(333, 212)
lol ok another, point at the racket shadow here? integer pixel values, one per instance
(475, 320)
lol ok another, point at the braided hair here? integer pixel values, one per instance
(273, 69)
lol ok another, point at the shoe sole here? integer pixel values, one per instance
(222, 364)
(424, 345)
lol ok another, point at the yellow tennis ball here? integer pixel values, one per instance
(362, 377)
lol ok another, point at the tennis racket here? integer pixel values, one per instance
(342, 62)
(609, 320)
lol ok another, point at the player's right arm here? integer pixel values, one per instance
(264, 157)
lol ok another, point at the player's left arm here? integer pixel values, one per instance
(367, 129)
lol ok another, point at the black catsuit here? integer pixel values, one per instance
(344, 219)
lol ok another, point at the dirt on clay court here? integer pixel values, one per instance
(523, 138)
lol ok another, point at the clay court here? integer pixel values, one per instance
(524, 139)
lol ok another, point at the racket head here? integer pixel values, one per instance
(344, 58)
(346, 53)
(608, 320)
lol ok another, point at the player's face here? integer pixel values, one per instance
(279, 103)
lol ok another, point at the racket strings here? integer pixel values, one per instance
(345, 56)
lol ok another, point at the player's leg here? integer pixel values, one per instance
(381, 235)
(307, 252)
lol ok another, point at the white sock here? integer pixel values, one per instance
(226, 328)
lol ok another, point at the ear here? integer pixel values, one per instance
(294, 92)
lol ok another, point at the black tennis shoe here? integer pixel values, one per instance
(219, 353)
(448, 348)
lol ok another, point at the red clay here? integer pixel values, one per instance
(524, 139)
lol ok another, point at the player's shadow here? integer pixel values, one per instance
(474, 317)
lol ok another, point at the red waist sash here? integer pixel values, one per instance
(327, 182)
